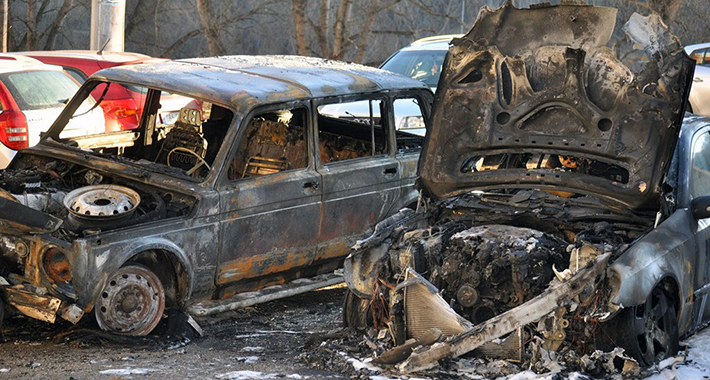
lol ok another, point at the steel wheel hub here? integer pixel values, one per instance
(132, 302)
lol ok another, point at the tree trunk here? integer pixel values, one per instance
(53, 31)
(299, 25)
(321, 30)
(30, 24)
(339, 28)
(214, 43)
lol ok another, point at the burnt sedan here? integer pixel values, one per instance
(266, 177)
(564, 207)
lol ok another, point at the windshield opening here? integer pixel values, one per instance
(424, 65)
(151, 127)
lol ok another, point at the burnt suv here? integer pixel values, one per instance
(563, 206)
(256, 184)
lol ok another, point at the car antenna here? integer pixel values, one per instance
(101, 51)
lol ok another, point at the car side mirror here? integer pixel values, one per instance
(700, 207)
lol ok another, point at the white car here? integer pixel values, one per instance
(421, 60)
(699, 98)
(32, 95)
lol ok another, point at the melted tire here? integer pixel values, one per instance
(648, 332)
(355, 311)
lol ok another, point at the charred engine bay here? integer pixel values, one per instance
(99, 201)
(487, 253)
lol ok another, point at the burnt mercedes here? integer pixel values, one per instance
(563, 205)
(255, 189)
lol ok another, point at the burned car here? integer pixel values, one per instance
(254, 192)
(563, 206)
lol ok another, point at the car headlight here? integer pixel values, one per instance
(56, 266)
(411, 122)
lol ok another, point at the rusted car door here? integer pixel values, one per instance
(361, 177)
(270, 198)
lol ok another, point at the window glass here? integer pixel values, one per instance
(182, 135)
(700, 176)
(351, 130)
(701, 56)
(423, 65)
(698, 56)
(76, 74)
(272, 142)
(34, 90)
(409, 123)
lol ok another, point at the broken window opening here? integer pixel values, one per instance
(409, 124)
(273, 142)
(152, 127)
(557, 163)
(351, 130)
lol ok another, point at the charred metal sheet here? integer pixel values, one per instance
(264, 295)
(246, 82)
(16, 218)
(556, 296)
(559, 91)
(32, 305)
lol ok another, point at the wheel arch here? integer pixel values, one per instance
(177, 278)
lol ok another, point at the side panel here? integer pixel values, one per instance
(269, 224)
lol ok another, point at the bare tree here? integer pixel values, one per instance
(299, 25)
(209, 28)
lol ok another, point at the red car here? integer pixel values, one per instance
(32, 95)
(121, 103)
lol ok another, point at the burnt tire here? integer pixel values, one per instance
(132, 301)
(355, 311)
(648, 332)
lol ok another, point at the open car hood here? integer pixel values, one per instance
(535, 98)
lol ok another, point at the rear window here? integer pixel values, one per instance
(40, 89)
(423, 65)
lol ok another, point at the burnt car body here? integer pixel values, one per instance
(264, 190)
(562, 201)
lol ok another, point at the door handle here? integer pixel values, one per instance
(311, 185)
(697, 80)
(390, 171)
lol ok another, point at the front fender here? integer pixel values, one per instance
(108, 261)
(666, 252)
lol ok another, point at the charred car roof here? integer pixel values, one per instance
(525, 83)
(244, 82)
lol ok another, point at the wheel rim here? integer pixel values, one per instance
(652, 323)
(131, 303)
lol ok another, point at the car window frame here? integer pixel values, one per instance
(80, 73)
(691, 162)
(351, 98)
(223, 180)
(424, 106)
(51, 137)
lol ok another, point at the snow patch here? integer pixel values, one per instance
(126, 371)
(245, 375)
(248, 359)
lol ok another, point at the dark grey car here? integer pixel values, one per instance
(554, 208)
(256, 184)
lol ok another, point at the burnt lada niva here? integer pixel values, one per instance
(272, 169)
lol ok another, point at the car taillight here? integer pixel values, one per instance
(13, 130)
